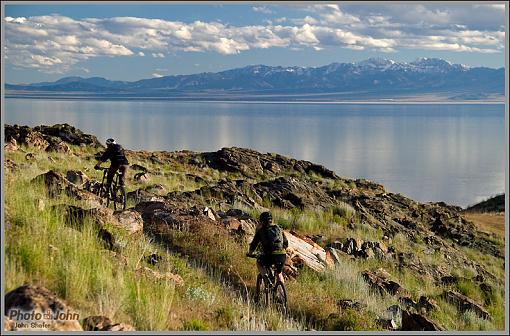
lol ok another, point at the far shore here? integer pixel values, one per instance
(198, 100)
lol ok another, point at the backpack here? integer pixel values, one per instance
(274, 236)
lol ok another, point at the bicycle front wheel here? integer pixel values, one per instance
(280, 298)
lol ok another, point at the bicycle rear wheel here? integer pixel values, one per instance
(280, 297)
(119, 198)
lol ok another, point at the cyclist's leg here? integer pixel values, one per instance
(111, 173)
(279, 261)
(122, 171)
(262, 264)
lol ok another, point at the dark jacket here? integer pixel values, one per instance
(114, 153)
(262, 237)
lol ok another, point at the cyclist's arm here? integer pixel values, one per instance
(103, 158)
(254, 242)
(285, 242)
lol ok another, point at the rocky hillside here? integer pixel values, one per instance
(360, 258)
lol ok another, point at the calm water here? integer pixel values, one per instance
(451, 153)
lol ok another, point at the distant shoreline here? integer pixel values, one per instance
(191, 100)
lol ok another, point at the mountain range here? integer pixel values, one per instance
(374, 78)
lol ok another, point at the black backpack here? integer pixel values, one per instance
(274, 237)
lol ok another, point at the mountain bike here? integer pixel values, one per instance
(270, 290)
(116, 194)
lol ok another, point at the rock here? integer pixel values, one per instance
(69, 134)
(10, 166)
(350, 304)
(417, 322)
(388, 324)
(141, 195)
(11, 146)
(53, 312)
(129, 220)
(156, 189)
(407, 302)
(306, 252)
(239, 214)
(209, 213)
(141, 177)
(465, 303)
(40, 205)
(29, 156)
(58, 146)
(175, 278)
(138, 167)
(24, 135)
(289, 192)
(96, 323)
(449, 280)
(335, 255)
(103, 323)
(352, 245)
(153, 259)
(427, 304)
(77, 177)
(380, 281)
(121, 327)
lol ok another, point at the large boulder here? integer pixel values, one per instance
(36, 308)
(417, 322)
(129, 220)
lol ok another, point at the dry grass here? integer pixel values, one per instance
(488, 222)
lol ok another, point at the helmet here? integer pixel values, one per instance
(266, 217)
(110, 142)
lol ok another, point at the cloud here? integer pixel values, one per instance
(156, 75)
(55, 43)
(262, 9)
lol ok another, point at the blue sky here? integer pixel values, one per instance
(129, 42)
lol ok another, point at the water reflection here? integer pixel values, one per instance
(452, 153)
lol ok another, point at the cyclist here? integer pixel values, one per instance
(115, 153)
(274, 243)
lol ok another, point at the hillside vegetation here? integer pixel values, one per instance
(175, 259)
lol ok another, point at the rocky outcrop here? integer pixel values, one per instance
(251, 163)
(380, 280)
(56, 138)
(31, 304)
(465, 303)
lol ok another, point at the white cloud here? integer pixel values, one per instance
(156, 75)
(56, 43)
(262, 9)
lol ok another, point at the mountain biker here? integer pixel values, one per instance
(115, 153)
(273, 242)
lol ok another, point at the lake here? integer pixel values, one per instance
(444, 152)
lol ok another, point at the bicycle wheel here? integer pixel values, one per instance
(119, 198)
(280, 297)
(261, 292)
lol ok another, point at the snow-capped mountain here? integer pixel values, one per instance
(377, 75)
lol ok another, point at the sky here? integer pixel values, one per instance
(129, 42)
